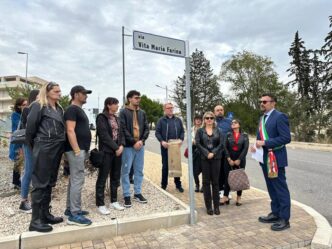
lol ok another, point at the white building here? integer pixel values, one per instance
(6, 102)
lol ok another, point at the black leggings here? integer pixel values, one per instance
(111, 166)
(228, 168)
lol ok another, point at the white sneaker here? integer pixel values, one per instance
(117, 206)
(230, 196)
(221, 193)
(103, 210)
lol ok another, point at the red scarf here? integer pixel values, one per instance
(236, 137)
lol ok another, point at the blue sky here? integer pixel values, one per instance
(79, 41)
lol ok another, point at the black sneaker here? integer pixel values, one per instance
(140, 198)
(25, 207)
(180, 189)
(127, 203)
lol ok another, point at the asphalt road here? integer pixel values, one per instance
(309, 176)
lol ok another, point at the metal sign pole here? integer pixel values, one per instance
(189, 141)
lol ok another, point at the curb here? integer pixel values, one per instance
(323, 235)
(101, 230)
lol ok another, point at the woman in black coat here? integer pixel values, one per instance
(236, 149)
(111, 142)
(209, 143)
(45, 135)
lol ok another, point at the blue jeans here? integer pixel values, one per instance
(132, 157)
(28, 167)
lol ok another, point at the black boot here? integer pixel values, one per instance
(46, 215)
(36, 224)
(197, 188)
(49, 218)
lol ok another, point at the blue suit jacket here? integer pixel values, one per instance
(277, 127)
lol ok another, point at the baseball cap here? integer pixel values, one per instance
(79, 89)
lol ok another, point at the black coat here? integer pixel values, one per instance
(243, 144)
(105, 136)
(209, 144)
(45, 124)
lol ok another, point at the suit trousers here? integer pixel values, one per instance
(222, 177)
(279, 193)
(210, 173)
(164, 172)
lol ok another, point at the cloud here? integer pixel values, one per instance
(79, 41)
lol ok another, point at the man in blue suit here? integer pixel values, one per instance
(273, 135)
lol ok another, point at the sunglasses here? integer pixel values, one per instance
(264, 101)
(209, 118)
(50, 85)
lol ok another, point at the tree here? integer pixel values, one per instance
(205, 92)
(152, 108)
(250, 75)
(21, 91)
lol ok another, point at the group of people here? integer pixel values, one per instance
(219, 146)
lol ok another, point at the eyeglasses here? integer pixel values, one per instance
(264, 101)
(169, 108)
(209, 118)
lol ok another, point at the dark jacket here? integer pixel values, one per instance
(224, 125)
(203, 140)
(105, 136)
(277, 127)
(243, 145)
(45, 124)
(169, 128)
(126, 123)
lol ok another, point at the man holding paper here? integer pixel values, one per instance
(273, 134)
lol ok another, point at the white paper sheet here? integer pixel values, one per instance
(258, 155)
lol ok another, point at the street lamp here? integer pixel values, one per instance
(26, 66)
(165, 88)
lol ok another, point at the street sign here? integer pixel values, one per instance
(159, 44)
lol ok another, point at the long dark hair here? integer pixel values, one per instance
(18, 103)
(33, 95)
(239, 122)
(110, 101)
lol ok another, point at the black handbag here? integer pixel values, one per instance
(18, 136)
(96, 157)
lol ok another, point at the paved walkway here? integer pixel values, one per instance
(236, 227)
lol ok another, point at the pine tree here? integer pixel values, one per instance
(205, 92)
(300, 67)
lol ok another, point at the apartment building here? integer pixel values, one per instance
(6, 102)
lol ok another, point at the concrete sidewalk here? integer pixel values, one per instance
(236, 227)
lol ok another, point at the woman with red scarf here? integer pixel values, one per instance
(236, 148)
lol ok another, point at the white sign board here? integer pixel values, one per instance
(159, 44)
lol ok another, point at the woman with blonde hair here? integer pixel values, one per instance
(45, 134)
(209, 143)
